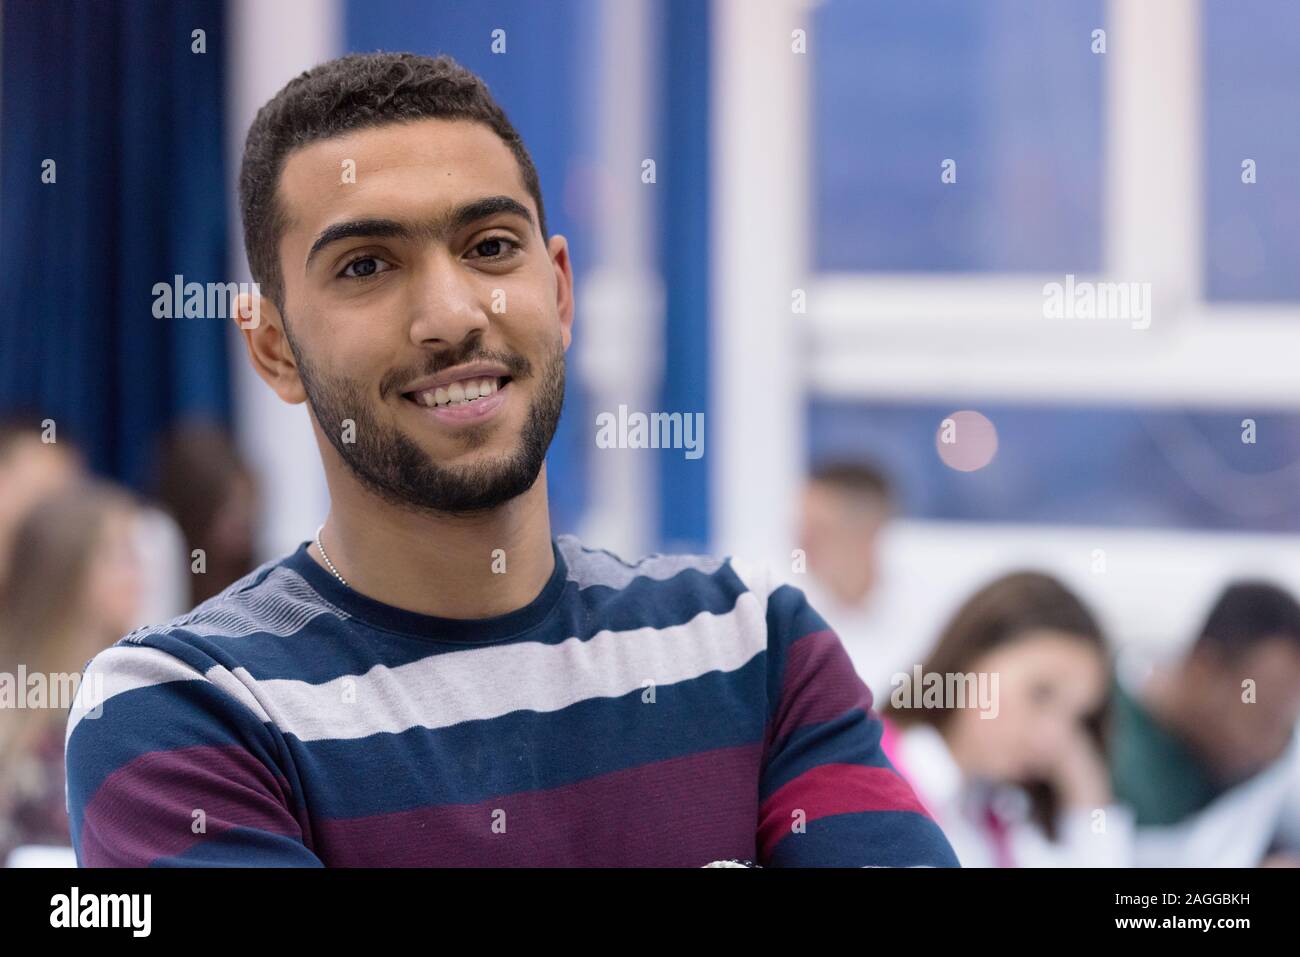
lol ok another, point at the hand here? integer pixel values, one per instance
(1079, 774)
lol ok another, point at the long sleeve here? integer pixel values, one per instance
(829, 796)
(171, 765)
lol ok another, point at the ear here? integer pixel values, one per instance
(558, 249)
(262, 327)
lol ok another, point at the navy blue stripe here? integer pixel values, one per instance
(163, 717)
(243, 847)
(851, 738)
(528, 750)
(866, 838)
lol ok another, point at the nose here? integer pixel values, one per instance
(1047, 736)
(446, 304)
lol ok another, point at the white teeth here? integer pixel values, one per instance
(458, 393)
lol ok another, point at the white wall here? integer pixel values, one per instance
(270, 44)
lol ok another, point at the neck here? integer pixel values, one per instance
(449, 566)
(1165, 698)
(850, 596)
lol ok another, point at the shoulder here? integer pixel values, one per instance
(206, 644)
(271, 603)
(272, 599)
(594, 566)
(590, 565)
(752, 601)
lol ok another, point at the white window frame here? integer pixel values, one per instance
(918, 336)
(971, 338)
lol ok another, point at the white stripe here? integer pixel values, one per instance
(759, 577)
(236, 687)
(120, 669)
(482, 683)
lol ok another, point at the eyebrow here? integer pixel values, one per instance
(445, 225)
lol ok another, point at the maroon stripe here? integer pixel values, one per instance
(819, 684)
(831, 789)
(682, 812)
(146, 809)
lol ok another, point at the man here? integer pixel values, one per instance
(846, 506)
(1205, 751)
(435, 679)
(845, 510)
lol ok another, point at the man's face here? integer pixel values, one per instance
(1242, 736)
(389, 289)
(841, 533)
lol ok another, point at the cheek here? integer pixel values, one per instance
(993, 740)
(530, 319)
(362, 363)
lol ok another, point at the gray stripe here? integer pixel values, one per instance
(596, 566)
(482, 683)
(281, 605)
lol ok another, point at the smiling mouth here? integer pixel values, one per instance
(457, 395)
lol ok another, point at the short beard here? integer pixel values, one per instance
(396, 469)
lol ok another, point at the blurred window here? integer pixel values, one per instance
(1252, 87)
(1008, 89)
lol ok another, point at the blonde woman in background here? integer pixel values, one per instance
(73, 587)
(30, 469)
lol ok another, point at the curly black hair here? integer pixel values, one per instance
(350, 93)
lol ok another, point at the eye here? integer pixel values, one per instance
(499, 248)
(363, 267)
(1041, 693)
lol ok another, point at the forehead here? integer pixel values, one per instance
(1043, 647)
(1276, 655)
(396, 170)
(829, 499)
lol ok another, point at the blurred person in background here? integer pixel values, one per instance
(1205, 749)
(845, 509)
(29, 469)
(1022, 783)
(212, 494)
(73, 589)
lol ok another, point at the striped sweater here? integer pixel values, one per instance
(669, 712)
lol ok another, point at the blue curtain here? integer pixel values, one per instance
(685, 262)
(133, 120)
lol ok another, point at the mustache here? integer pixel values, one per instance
(393, 381)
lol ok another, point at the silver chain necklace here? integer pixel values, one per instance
(329, 564)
